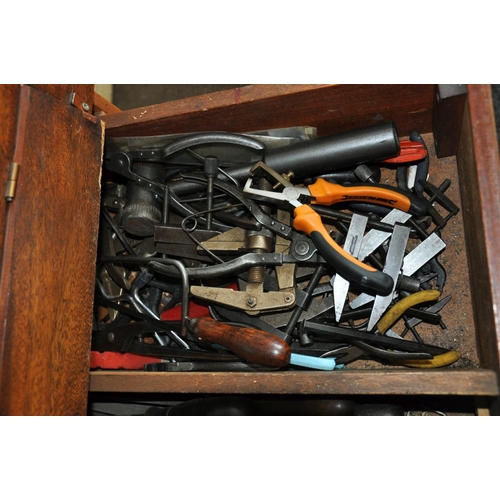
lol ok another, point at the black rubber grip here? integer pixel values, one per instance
(418, 206)
(374, 282)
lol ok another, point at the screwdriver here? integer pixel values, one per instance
(254, 345)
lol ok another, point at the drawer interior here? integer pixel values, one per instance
(469, 317)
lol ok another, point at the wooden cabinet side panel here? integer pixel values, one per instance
(9, 102)
(84, 91)
(48, 281)
(479, 171)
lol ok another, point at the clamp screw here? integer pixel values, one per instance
(286, 176)
(85, 107)
(111, 337)
(251, 302)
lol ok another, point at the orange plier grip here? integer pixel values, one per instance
(327, 193)
(309, 221)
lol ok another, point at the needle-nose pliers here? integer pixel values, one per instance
(306, 219)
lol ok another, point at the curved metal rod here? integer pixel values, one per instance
(185, 291)
(140, 307)
(211, 138)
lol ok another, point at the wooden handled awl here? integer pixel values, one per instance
(254, 345)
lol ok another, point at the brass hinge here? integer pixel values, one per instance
(10, 191)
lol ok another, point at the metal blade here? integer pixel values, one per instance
(374, 238)
(422, 254)
(352, 245)
(393, 264)
(416, 259)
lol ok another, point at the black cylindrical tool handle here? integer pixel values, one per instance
(317, 156)
(332, 152)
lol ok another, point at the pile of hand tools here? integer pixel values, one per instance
(272, 250)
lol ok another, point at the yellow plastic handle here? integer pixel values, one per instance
(398, 310)
(438, 361)
(391, 316)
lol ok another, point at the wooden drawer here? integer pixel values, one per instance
(461, 127)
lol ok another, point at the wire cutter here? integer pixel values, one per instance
(306, 219)
(391, 316)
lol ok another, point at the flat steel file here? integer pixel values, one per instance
(352, 244)
(416, 259)
(393, 265)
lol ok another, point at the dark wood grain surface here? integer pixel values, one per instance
(375, 382)
(84, 91)
(479, 170)
(9, 100)
(48, 269)
(449, 103)
(330, 108)
(249, 344)
(103, 106)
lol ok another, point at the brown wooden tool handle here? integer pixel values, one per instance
(250, 344)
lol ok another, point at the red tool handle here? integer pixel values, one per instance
(411, 151)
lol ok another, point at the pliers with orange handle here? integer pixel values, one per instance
(306, 219)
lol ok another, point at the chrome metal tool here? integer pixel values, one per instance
(393, 264)
(416, 259)
(352, 245)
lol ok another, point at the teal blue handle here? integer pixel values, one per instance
(313, 362)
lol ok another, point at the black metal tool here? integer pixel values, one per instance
(437, 196)
(433, 309)
(232, 267)
(318, 156)
(262, 217)
(122, 161)
(418, 172)
(360, 349)
(142, 209)
(303, 303)
(347, 334)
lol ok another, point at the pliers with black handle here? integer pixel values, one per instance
(306, 219)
